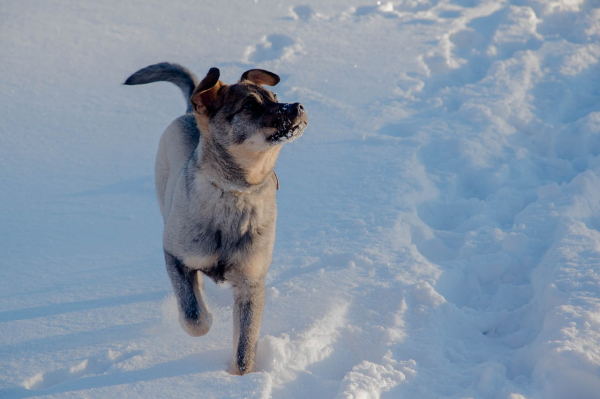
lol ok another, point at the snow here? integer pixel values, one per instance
(439, 224)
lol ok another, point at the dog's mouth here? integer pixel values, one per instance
(288, 134)
(291, 122)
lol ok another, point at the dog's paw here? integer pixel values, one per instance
(235, 369)
(197, 327)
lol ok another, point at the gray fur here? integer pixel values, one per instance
(194, 314)
(167, 72)
(217, 194)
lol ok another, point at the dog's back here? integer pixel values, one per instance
(176, 146)
(180, 139)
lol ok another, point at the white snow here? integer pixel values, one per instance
(439, 220)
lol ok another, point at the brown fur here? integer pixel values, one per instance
(257, 165)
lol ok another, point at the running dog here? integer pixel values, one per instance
(216, 189)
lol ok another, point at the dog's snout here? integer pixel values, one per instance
(293, 110)
(297, 109)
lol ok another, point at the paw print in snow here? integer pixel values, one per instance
(273, 47)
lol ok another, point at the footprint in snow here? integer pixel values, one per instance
(465, 55)
(382, 8)
(273, 47)
(303, 13)
(87, 367)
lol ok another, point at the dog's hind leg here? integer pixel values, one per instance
(188, 285)
(247, 316)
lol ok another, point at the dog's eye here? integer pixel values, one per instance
(252, 106)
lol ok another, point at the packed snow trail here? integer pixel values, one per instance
(438, 232)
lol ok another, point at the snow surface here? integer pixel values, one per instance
(439, 228)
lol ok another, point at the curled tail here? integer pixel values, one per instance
(166, 72)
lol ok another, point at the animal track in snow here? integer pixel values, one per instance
(380, 8)
(304, 13)
(283, 356)
(369, 379)
(390, 9)
(87, 367)
(273, 47)
(465, 53)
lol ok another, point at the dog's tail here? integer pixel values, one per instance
(166, 72)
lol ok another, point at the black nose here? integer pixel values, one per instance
(294, 110)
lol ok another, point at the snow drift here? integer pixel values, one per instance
(439, 228)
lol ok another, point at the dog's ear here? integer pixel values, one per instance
(260, 77)
(205, 95)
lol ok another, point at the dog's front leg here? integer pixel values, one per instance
(188, 285)
(247, 315)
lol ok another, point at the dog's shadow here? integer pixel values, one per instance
(78, 306)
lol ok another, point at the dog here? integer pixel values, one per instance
(216, 189)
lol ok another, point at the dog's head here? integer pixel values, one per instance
(247, 114)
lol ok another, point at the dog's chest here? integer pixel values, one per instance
(225, 232)
(219, 233)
